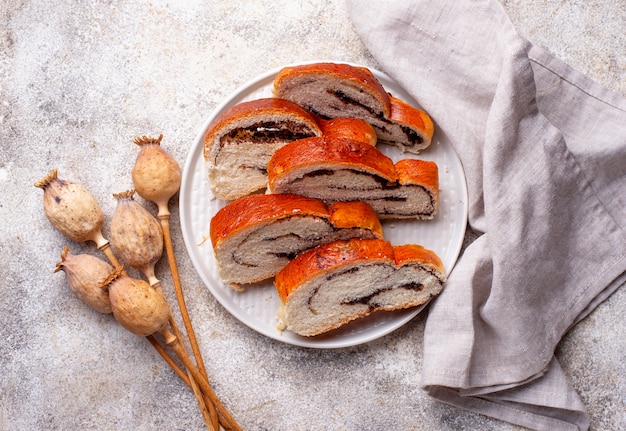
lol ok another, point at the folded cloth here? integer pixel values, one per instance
(544, 152)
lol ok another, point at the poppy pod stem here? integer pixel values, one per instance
(225, 419)
(207, 408)
(156, 177)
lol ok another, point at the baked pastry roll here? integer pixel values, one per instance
(239, 143)
(336, 283)
(342, 170)
(332, 90)
(255, 237)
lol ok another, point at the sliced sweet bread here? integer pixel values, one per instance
(239, 143)
(335, 283)
(346, 170)
(333, 90)
(254, 237)
(410, 129)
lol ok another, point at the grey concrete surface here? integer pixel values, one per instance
(78, 81)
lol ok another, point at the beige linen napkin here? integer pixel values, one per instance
(544, 152)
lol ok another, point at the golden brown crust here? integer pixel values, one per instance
(258, 108)
(416, 253)
(420, 172)
(403, 113)
(254, 209)
(327, 257)
(337, 254)
(320, 156)
(349, 128)
(340, 151)
(360, 76)
(355, 214)
(423, 173)
(396, 122)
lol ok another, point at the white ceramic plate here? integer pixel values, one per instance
(257, 305)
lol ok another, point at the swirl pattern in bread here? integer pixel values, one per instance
(346, 170)
(335, 283)
(332, 90)
(256, 236)
(239, 143)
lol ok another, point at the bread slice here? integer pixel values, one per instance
(410, 129)
(332, 90)
(255, 237)
(346, 170)
(239, 143)
(335, 283)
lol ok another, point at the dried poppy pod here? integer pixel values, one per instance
(72, 209)
(156, 174)
(136, 235)
(74, 212)
(84, 274)
(140, 308)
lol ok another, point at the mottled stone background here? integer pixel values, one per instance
(78, 81)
